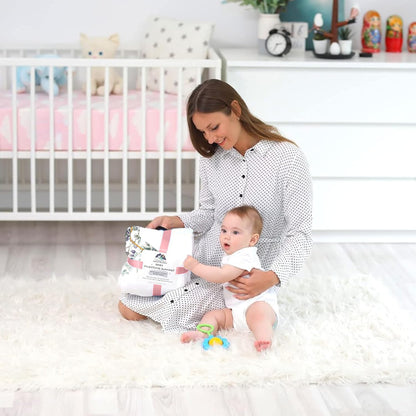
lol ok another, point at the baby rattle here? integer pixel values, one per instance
(211, 340)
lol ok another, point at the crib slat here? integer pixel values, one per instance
(143, 145)
(32, 141)
(161, 139)
(179, 143)
(51, 143)
(15, 160)
(125, 143)
(89, 130)
(70, 141)
(106, 138)
(197, 155)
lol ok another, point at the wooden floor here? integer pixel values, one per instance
(93, 249)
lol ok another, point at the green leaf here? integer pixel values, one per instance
(264, 6)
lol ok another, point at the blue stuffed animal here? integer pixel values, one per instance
(41, 77)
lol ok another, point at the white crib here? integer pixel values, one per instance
(65, 158)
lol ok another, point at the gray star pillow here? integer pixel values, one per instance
(169, 38)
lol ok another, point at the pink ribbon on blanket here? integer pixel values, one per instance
(157, 290)
(135, 263)
(139, 265)
(164, 244)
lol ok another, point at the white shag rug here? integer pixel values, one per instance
(67, 333)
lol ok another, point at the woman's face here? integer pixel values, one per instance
(218, 128)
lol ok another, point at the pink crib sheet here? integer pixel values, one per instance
(153, 133)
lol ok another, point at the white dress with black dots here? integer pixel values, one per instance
(272, 176)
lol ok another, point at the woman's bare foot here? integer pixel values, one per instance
(262, 345)
(192, 336)
(128, 314)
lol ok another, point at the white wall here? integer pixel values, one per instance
(28, 22)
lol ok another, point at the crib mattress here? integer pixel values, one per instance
(153, 137)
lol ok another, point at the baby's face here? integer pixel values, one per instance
(236, 233)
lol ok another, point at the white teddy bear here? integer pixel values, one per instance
(101, 48)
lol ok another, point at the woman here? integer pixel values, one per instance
(245, 161)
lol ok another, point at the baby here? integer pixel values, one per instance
(240, 232)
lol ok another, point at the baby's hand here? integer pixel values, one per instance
(190, 263)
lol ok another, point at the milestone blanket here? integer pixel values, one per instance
(155, 259)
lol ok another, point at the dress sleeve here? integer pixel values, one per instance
(201, 219)
(297, 205)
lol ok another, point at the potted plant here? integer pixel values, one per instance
(268, 19)
(320, 43)
(263, 6)
(345, 41)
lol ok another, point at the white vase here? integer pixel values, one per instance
(346, 46)
(267, 22)
(320, 46)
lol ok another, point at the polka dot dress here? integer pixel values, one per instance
(272, 176)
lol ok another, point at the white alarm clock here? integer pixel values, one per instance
(278, 42)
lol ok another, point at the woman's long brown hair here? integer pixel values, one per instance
(215, 95)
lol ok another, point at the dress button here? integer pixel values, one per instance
(243, 176)
(241, 195)
(172, 301)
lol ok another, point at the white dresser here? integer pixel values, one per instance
(355, 119)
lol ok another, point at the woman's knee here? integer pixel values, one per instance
(128, 314)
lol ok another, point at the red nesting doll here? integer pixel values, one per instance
(371, 32)
(411, 37)
(394, 34)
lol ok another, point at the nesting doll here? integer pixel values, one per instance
(394, 34)
(411, 37)
(371, 32)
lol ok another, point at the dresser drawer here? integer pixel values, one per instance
(342, 204)
(356, 150)
(322, 94)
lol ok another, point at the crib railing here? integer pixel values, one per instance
(104, 184)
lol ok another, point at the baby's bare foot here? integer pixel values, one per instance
(262, 345)
(192, 336)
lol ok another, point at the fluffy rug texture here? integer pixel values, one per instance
(67, 333)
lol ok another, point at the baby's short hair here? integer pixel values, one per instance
(248, 211)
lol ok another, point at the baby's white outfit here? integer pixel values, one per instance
(246, 259)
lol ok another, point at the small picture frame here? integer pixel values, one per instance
(298, 34)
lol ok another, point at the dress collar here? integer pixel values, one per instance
(260, 148)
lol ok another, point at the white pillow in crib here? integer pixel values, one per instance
(170, 38)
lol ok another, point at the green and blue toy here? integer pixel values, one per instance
(212, 340)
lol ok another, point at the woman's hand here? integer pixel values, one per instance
(167, 222)
(258, 282)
